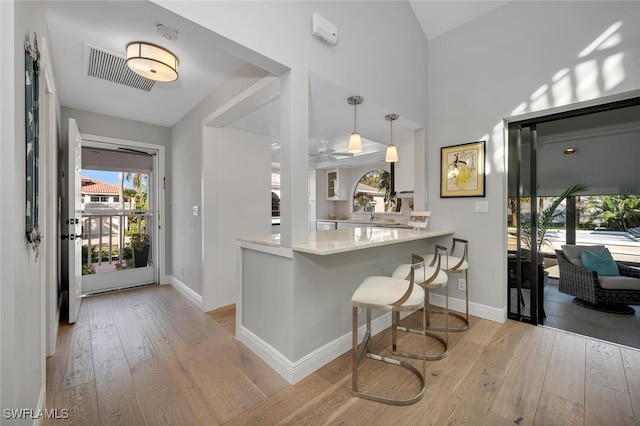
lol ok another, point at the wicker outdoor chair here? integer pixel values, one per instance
(618, 292)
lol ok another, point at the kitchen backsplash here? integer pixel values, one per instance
(343, 212)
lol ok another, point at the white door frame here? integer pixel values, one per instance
(49, 157)
(159, 245)
(71, 217)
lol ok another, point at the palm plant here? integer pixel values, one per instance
(384, 185)
(616, 213)
(546, 216)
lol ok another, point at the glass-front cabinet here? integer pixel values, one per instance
(333, 185)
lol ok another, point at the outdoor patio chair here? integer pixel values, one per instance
(608, 293)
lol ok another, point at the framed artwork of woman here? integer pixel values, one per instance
(462, 170)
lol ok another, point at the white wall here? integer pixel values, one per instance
(114, 127)
(7, 177)
(236, 203)
(184, 181)
(521, 57)
(22, 284)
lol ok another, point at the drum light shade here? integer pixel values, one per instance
(152, 62)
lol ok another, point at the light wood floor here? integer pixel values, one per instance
(148, 356)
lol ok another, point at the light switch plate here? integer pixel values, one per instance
(195, 210)
(482, 206)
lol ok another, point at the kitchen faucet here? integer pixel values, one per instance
(372, 210)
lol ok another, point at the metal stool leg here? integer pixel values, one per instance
(455, 269)
(429, 357)
(464, 318)
(435, 281)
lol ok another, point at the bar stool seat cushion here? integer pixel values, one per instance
(452, 262)
(378, 290)
(402, 271)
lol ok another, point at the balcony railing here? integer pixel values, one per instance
(107, 231)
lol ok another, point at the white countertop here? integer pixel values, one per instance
(344, 240)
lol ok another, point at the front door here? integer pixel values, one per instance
(120, 215)
(71, 226)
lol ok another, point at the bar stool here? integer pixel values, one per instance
(387, 294)
(457, 263)
(431, 276)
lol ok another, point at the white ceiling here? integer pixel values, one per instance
(111, 25)
(438, 17)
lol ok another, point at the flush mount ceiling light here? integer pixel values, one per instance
(355, 141)
(570, 151)
(392, 151)
(152, 62)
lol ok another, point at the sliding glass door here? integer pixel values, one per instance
(525, 263)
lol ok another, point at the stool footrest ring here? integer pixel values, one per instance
(461, 317)
(441, 355)
(394, 401)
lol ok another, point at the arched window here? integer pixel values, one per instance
(372, 192)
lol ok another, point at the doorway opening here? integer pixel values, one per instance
(564, 169)
(119, 210)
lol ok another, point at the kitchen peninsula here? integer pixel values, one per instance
(294, 307)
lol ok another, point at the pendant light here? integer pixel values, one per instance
(355, 141)
(392, 151)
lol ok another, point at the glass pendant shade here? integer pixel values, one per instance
(392, 154)
(392, 151)
(152, 62)
(355, 143)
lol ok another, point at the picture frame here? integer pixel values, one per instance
(419, 220)
(32, 149)
(462, 170)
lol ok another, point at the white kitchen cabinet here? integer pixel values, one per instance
(334, 189)
(405, 169)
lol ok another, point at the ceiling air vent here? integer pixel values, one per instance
(111, 67)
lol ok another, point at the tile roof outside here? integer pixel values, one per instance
(93, 186)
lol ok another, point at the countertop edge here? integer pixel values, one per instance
(430, 233)
(270, 248)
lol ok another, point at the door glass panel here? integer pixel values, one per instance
(519, 270)
(117, 221)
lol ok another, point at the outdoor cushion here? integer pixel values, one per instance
(602, 262)
(619, 282)
(574, 253)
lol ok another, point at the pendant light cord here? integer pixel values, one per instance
(354, 118)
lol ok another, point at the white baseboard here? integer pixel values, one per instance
(187, 292)
(42, 405)
(475, 309)
(293, 372)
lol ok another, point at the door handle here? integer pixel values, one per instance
(81, 234)
(71, 237)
